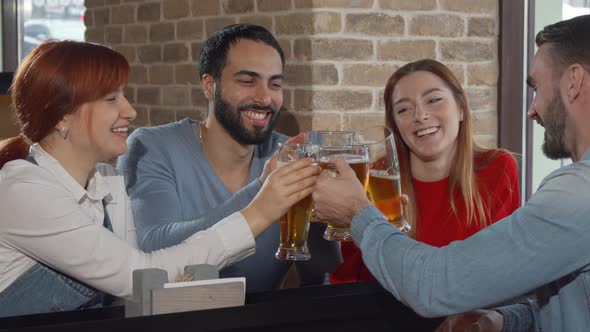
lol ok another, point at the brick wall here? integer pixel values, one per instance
(339, 53)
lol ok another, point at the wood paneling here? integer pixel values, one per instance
(7, 126)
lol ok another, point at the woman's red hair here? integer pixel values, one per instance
(54, 80)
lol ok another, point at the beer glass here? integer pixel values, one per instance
(294, 225)
(384, 185)
(357, 157)
(329, 138)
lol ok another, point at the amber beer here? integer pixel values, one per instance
(295, 228)
(360, 166)
(384, 192)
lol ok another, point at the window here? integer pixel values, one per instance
(50, 19)
(519, 23)
(27, 23)
(547, 12)
(573, 8)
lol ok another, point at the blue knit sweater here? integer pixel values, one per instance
(175, 193)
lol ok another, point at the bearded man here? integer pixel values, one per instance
(185, 176)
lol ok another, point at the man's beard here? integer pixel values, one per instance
(554, 123)
(231, 120)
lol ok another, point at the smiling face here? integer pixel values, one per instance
(427, 115)
(99, 129)
(249, 94)
(547, 107)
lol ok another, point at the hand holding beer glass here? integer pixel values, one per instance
(357, 157)
(384, 186)
(332, 144)
(294, 225)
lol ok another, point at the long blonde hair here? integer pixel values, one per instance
(462, 173)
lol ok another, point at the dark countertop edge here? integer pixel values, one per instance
(5, 82)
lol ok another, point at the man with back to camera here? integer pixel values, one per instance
(543, 247)
(185, 176)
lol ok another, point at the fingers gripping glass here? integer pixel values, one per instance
(384, 186)
(331, 142)
(357, 157)
(294, 225)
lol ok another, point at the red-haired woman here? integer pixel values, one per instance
(66, 230)
(455, 186)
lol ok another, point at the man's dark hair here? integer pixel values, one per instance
(569, 40)
(214, 53)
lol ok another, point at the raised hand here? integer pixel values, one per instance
(271, 164)
(339, 196)
(284, 187)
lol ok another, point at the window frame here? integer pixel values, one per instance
(9, 36)
(514, 129)
(9, 12)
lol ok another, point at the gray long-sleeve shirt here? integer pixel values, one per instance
(542, 247)
(175, 193)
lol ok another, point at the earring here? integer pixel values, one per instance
(64, 131)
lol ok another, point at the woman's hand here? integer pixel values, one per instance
(284, 187)
(271, 164)
(339, 197)
(474, 321)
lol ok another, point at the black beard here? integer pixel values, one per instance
(231, 120)
(554, 123)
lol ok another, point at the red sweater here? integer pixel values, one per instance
(437, 224)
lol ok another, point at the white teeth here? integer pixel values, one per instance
(255, 115)
(427, 131)
(120, 130)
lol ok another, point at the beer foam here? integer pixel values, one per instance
(283, 163)
(383, 174)
(350, 158)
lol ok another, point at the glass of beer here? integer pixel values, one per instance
(357, 157)
(294, 225)
(329, 138)
(384, 185)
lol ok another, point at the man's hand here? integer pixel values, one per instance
(284, 187)
(271, 164)
(474, 321)
(339, 197)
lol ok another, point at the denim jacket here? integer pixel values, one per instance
(42, 289)
(543, 247)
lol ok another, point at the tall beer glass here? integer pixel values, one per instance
(357, 157)
(329, 138)
(384, 185)
(294, 225)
